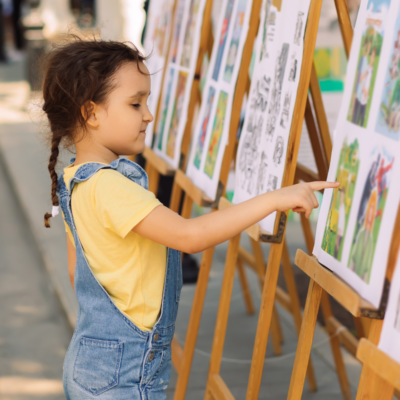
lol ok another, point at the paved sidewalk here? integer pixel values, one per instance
(33, 333)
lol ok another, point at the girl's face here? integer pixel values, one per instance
(123, 120)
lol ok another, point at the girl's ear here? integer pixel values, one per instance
(89, 112)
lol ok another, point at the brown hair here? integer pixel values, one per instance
(75, 73)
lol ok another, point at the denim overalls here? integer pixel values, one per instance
(109, 357)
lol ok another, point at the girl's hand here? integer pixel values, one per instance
(301, 197)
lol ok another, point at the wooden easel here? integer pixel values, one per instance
(216, 387)
(323, 280)
(156, 166)
(182, 357)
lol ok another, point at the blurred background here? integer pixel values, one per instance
(37, 306)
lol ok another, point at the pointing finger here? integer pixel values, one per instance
(319, 185)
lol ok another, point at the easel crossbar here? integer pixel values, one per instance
(333, 285)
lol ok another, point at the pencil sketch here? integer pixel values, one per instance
(293, 68)
(299, 28)
(249, 153)
(269, 23)
(272, 183)
(262, 174)
(278, 152)
(259, 99)
(275, 103)
(285, 111)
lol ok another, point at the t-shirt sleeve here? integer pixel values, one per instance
(69, 233)
(121, 204)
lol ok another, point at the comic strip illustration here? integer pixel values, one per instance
(368, 61)
(216, 135)
(211, 133)
(339, 211)
(356, 221)
(176, 113)
(370, 213)
(175, 98)
(388, 122)
(204, 126)
(234, 45)
(272, 96)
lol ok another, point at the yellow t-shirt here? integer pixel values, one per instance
(130, 267)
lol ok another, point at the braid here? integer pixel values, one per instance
(55, 142)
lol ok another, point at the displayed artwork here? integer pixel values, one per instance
(368, 61)
(370, 213)
(204, 125)
(158, 32)
(235, 38)
(223, 38)
(356, 220)
(216, 134)
(176, 113)
(263, 143)
(165, 106)
(184, 50)
(341, 202)
(211, 131)
(390, 336)
(388, 122)
(189, 33)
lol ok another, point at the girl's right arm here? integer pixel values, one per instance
(194, 235)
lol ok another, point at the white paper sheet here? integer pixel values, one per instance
(262, 147)
(158, 31)
(356, 221)
(390, 336)
(212, 128)
(179, 78)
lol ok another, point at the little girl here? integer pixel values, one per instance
(123, 245)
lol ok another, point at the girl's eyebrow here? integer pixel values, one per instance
(139, 94)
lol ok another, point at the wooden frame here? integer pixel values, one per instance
(322, 281)
(156, 166)
(319, 134)
(182, 357)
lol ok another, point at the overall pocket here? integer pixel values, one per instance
(97, 364)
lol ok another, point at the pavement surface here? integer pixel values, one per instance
(40, 308)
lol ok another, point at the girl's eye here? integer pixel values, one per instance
(136, 105)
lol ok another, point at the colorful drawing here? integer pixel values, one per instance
(164, 111)
(162, 22)
(341, 202)
(189, 33)
(388, 122)
(223, 38)
(204, 125)
(370, 213)
(176, 113)
(368, 61)
(233, 47)
(216, 134)
(177, 30)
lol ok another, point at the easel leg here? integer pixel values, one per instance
(336, 350)
(366, 383)
(264, 322)
(223, 314)
(176, 197)
(276, 329)
(193, 325)
(296, 310)
(327, 313)
(304, 345)
(248, 301)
